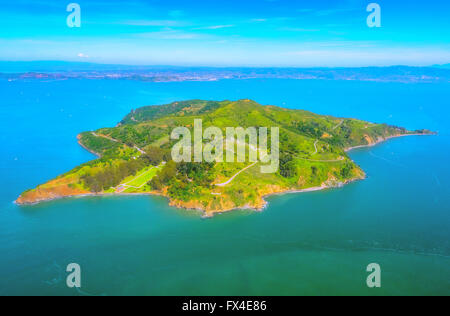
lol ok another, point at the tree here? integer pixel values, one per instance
(287, 165)
(154, 156)
(164, 177)
(346, 170)
(112, 174)
(155, 183)
(169, 172)
(200, 173)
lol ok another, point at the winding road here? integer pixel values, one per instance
(315, 146)
(233, 177)
(316, 150)
(338, 125)
(116, 141)
(334, 160)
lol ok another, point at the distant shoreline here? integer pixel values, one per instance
(67, 71)
(92, 152)
(384, 140)
(86, 195)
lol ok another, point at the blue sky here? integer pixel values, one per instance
(228, 32)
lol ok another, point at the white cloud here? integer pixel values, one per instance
(170, 35)
(326, 12)
(297, 29)
(81, 55)
(258, 20)
(215, 27)
(166, 23)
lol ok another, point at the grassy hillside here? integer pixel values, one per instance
(135, 156)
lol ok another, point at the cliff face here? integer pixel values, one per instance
(46, 194)
(225, 204)
(55, 189)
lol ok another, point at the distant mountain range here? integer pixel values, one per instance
(446, 66)
(51, 70)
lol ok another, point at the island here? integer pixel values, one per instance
(135, 157)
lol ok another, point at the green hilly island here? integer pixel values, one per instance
(134, 157)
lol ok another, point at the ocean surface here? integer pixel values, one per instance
(317, 243)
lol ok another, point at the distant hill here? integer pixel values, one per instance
(445, 66)
(148, 113)
(67, 70)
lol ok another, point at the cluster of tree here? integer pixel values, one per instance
(155, 155)
(314, 171)
(287, 165)
(341, 136)
(345, 131)
(346, 171)
(112, 176)
(288, 150)
(311, 128)
(100, 145)
(137, 135)
(183, 177)
(149, 113)
(183, 190)
(200, 173)
(164, 177)
(287, 144)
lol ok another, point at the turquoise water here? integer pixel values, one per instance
(313, 243)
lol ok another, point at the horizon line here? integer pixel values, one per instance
(221, 66)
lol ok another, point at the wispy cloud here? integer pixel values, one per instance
(298, 29)
(215, 27)
(161, 23)
(360, 57)
(170, 35)
(326, 12)
(258, 20)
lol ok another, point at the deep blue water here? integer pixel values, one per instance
(314, 243)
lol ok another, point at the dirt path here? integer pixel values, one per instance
(342, 122)
(315, 146)
(335, 160)
(107, 137)
(233, 177)
(316, 150)
(116, 141)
